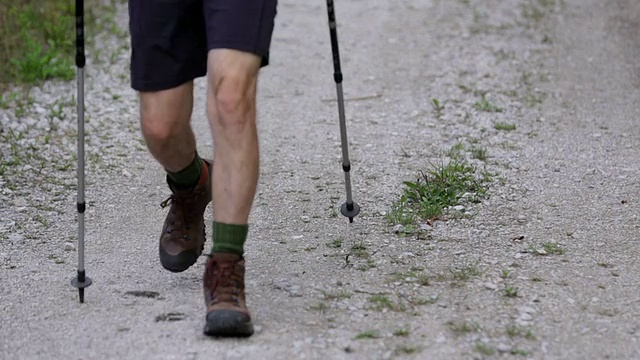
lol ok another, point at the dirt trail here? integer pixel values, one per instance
(564, 73)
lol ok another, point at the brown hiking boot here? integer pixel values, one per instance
(183, 233)
(227, 313)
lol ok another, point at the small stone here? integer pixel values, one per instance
(16, 239)
(69, 246)
(426, 227)
(541, 251)
(297, 237)
(20, 202)
(526, 317)
(125, 173)
(398, 229)
(526, 310)
(458, 208)
(305, 219)
(503, 348)
(490, 286)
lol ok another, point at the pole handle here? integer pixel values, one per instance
(80, 58)
(333, 31)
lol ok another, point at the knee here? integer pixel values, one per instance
(155, 127)
(234, 99)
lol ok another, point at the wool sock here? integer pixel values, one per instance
(188, 176)
(229, 238)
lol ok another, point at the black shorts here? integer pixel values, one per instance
(170, 39)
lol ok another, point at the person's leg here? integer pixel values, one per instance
(238, 34)
(168, 51)
(231, 108)
(165, 121)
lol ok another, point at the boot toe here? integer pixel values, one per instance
(228, 323)
(178, 263)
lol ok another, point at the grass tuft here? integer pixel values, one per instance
(437, 189)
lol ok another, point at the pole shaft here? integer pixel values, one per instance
(346, 165)
(337, 76)
(80, 63)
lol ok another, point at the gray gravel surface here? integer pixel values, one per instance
(544, 268)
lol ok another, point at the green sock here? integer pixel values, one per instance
(188, 176)
(229, 238)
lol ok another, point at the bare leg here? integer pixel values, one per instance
(231, 110)
(166, 126)
(165, 121)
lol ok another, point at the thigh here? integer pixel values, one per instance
(243, 25)
(168, 43)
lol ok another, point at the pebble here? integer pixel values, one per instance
(426, 227)
(503, 348)
(398, 229)
(490, 286)
(458, 208)
(20, 202)
(305, 219)
(69, 246)
(16, 239)
(526, 310)
(525, 317)
(125, 173)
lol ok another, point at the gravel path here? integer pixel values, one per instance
(544, 268)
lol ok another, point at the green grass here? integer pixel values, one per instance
(407, 349)
(382, 302)
(511, 292)
(547, 248)
(463, 327)
(485, 105)
(479, 153)
(437, 189)
(401, 332)
(504, 126)
(370, 334)
(484, 349)
(336, 243)
(37, 40)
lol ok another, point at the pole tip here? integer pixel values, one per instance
(81, 282)
(350, 210)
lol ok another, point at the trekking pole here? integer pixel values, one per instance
(81, 281)
(350, 208)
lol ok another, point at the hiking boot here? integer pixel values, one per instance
(183, 233)
(227, 313)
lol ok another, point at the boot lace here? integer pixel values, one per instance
(224, 281)
(184, 207)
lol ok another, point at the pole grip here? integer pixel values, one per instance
(333, 31)
(80, 58)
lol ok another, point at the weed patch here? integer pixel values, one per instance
(485, 105)
(438, 189)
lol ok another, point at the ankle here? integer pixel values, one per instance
(191, 175)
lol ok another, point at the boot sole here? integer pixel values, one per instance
(178, 263)
(228, 323)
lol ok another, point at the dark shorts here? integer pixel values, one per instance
(170, 39)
